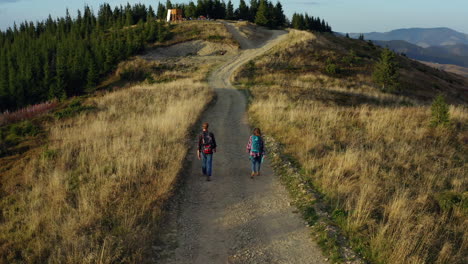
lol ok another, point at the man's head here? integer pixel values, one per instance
(205, 126)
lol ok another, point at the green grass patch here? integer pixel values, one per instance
(75, 107)
(215, 38)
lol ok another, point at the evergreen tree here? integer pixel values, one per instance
(169, 4)
(191, 10)
(298, 21)
(386, 71)
(243, 12)
(262, 13)
(162, 12)
(279, 19)
(230, 11)
(4, 95)
(440, 112)
(151, 15)
(92, 75)
(51, 59)
(253, 10)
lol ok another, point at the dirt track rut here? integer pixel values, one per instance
(234, 219)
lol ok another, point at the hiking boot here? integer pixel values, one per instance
(208, 178)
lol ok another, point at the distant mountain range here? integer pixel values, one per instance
(450, 54)
(424, 37)
(436, 45)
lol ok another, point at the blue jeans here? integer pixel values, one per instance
(207, 163)
(256, 162)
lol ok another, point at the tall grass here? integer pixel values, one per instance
(95, 194)
(26, 113)
(400, 183)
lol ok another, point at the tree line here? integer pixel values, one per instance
(261, 12)
(306, 22)
(63, 57)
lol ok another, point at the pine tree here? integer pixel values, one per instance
(92, 76)
(162, 12)
(386, 71)
(58, 89)
(262, 13)
(243, 10)
(169, 4)
(191, 10)
(4, 95)
(279, 19)
(253, 10)
(151, 15)
(230, 11)
(440, 112)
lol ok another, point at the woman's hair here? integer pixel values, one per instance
(257, 132)
(205, 125)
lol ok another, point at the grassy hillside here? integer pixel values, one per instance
(396, 185)
(87, 181)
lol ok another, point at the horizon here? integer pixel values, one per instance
(336, 12)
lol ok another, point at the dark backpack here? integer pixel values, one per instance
(207, 143)
(256, 144)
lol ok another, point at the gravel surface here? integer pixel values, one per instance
(234, 219)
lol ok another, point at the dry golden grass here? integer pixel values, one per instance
(95, 194)
(401, 184)
(201, 30)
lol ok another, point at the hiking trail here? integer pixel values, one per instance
(234, 219)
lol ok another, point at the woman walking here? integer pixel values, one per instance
(256, 150)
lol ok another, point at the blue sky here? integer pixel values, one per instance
(344, 15)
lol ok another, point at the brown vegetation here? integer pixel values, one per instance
(201, 30)
(396, 185)
(463, 71)
(95, 192)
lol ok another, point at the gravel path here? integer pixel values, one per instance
(234, 219)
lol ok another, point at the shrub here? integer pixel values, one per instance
(27, 112)
(440, 112)
(448, 200)
(72, 109)
(331, 68)
(250, 69)
(216, 38)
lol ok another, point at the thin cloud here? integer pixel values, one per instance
(306, 3)
(8, 1)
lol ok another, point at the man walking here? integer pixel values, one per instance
(206, 148)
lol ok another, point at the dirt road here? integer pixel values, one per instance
(234, 219)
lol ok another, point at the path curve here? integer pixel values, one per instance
(234, 219)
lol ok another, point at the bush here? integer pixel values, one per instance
(216, 38)
(250, 69)
(23, 129)
(72, 109)
(440, 112)
(449, 200)
(351, 58)
(331, 68)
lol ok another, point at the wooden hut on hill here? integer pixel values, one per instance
(174, 15)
